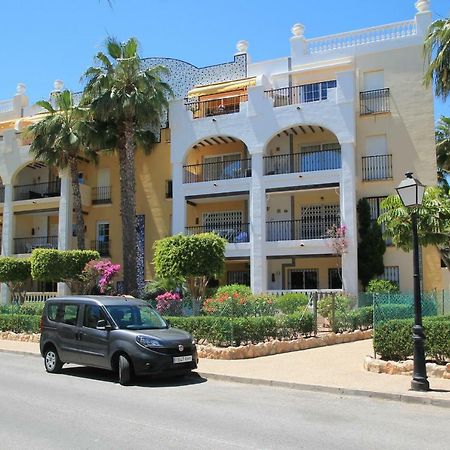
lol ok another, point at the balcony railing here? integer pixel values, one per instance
(2, 194)
(305, 93)
(37, 190)
(216, 106)
(234, 233)
(28, 244)
(101, 195)
(377, 167)
(221, 170)
(291, 230)
(103, 247)
(303, 162)
(374, 102)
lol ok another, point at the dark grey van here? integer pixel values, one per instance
(117, 333)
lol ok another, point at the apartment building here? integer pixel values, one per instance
(270, 155)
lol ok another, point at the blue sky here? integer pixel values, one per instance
(44, 40)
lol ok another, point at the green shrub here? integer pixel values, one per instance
(393, 338)
(20, 323)
(60, 265)
(224, 331)
(291, 303)
(158, 286)
(381, 287)
(355, 319)
(230, 289)
(15, 272)
(325, 305)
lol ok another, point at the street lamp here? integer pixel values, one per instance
(411, 191)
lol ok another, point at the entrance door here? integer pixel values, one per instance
(303, 279)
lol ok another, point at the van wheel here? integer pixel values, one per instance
(51, 361)
(125, 371)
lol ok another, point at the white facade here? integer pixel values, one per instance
(259, 119)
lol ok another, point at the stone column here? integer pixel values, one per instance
(257, 214)
(65, 218)
(7, 234)
(348, 218)
(179, 200)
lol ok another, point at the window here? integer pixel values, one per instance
(70, 314)
(238, 277)
(373, 80)
(391, 273)
(375, 211)
(169, 189)
(102, 241)
(335, 278)
(376, 145)
(303, 279)
(316, 220)
(52, 311)
(319, 157)
(223, 167)
(92, 314)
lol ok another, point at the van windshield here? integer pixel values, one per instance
(136, 317)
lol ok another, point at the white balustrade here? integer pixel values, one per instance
(381, 33)
(321, 293)
(6, 106)
(39, 296)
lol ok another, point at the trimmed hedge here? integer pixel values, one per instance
(27, 308)
(290, 303)
(355, 319)
(20, 323)
(393, 339)
(225, 331)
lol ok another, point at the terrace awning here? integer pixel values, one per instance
(218, 88)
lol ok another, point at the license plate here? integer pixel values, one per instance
(182, 359)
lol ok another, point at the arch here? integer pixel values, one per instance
(215, 140)
(307, 126)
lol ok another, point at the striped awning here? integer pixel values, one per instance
(218, 88)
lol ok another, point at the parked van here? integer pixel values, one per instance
(121, 334)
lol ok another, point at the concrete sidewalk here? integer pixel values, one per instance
(336, 368)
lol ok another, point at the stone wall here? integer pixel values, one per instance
(274, 347)
(404, 368)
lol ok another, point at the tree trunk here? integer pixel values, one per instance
(77, 203)
(128, 208)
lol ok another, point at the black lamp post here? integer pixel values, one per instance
(411, 191)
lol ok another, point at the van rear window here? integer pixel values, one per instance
(63, 313)
(52, 311)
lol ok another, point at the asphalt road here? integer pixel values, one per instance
(86, 408)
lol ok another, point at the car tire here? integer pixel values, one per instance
(125, 371)
(52, 362)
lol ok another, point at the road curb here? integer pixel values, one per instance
(406, 398)
(18, 352)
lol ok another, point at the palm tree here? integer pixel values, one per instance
(443, 147)
(58, 142)
(127, 101)
(437, 44)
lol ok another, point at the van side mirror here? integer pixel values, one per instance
(103, 325)
(168, 323)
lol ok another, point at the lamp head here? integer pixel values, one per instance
(410, 191)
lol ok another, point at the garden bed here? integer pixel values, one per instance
(244, 351)
(405, 368)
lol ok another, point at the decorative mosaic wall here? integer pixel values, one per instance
(140, 251)
(184, 76)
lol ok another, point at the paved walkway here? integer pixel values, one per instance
(336, 368)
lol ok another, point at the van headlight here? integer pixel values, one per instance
(147, 341)
(194, 341)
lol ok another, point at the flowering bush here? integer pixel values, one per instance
(100, 274)
(169, 303)
(337, 240)
(238, 305)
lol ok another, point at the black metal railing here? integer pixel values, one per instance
(234, 233)
(220, 170)
(101, 195)
(216, 106)
(28, 244)
(287, 230)
(374, 102)
(37, 190)
(103, 247)
(2, 194)
(303, 162)
(377, 167)
(238, 277)
(305, 93)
